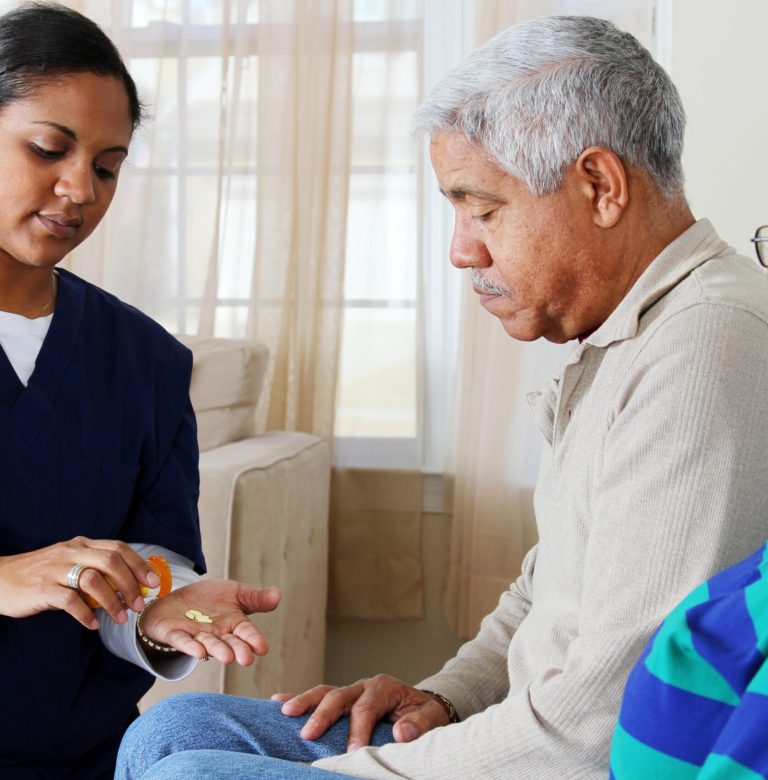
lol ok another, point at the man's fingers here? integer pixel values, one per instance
(301, 703)
(362, 720)
(336, 703)
(419, 721)
(366, 702)
(406, 730)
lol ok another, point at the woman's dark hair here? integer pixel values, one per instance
(39, 40)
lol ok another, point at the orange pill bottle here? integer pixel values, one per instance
(160, 566)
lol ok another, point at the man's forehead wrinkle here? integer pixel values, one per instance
(465, 172)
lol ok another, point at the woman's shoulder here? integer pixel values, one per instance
(119, 325)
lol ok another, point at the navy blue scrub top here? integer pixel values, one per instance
(101, 443)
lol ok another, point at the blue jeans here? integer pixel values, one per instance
(207, 764)
(197, 735)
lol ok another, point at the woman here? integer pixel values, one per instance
(98, 453)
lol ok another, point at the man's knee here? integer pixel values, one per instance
(187, 721)
(205, 764)
(189, 765)
(163, 722)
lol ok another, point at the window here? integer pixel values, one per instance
(401, 303)
(395, 381)
(174, 52)
(377, 391)
(175, 55)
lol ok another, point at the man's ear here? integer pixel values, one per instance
(604, 179)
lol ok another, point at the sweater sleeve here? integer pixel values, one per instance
(678, 492)
(477, 676)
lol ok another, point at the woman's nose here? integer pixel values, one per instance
(76, 183)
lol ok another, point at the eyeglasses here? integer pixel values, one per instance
(761, 244)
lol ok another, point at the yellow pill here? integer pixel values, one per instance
(192, 614)
(204, 619)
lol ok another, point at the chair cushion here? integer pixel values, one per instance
(227, 379)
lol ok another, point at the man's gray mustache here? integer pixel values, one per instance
(482, 284)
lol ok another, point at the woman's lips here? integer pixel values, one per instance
(59, 225)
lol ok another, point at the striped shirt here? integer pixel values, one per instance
(696, 702)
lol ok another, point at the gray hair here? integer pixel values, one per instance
(538, 94)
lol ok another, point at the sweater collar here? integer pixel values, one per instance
(686, 253)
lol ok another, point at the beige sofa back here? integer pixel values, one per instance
(227, 380)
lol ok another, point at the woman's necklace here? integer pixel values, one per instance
(53, 294)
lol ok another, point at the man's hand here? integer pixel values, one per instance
(367, 701)
(229, 637)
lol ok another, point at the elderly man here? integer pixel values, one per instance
(559, 145)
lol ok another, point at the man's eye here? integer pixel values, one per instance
(484, 217)
(47, 154)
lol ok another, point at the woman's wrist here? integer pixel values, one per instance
(151, 646)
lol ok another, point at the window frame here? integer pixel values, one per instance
(446, 31)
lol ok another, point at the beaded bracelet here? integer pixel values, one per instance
(159, 647)
(453, 716)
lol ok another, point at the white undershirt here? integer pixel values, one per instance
(21, 339)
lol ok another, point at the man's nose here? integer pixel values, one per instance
(467, 249)
(76, 183)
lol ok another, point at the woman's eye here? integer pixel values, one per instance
(103, 173)
(47, 154)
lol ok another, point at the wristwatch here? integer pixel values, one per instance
(453, 716)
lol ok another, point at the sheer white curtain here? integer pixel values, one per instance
(231, 215)
(493, 463)
(303, 159)
(495, 446)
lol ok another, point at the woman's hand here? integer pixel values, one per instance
(229, 637)
(37, 581)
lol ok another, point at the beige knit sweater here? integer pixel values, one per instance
(655, 477)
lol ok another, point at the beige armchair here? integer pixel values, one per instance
(264, 520)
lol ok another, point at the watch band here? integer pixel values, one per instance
(453, 716)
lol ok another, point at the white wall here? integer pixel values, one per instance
(719, 62)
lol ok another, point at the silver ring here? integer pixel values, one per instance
(73, 576)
